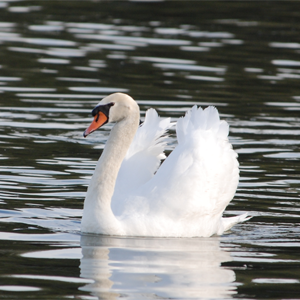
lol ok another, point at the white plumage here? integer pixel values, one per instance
(142, 159)
(184, 197)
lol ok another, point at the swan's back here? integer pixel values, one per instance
(193, 186)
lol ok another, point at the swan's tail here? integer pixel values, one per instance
(229, 222)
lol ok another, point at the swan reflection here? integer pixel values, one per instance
(144, 268)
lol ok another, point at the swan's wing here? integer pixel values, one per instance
(143, 157)
(212, 162)
(198, 179)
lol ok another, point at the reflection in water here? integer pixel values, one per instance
(144, 268)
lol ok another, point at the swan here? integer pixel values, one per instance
(131, 194)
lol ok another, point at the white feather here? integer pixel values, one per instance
(193, 186)
(142, 159)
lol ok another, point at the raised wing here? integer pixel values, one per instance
(142, 159)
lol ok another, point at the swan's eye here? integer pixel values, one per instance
(102, 108)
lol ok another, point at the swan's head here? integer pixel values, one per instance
(113, 108)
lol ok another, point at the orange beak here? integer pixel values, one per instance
(99, 120)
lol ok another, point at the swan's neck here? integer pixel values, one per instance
(108, 166)
(97, 205)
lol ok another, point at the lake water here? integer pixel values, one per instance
(59, 58)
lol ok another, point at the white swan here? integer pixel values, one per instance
(188, 193)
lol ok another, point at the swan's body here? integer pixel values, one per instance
(188, 193)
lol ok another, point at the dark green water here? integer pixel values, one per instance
(59, 58)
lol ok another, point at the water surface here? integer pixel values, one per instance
(59, 58)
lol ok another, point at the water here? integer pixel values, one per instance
(59, 58)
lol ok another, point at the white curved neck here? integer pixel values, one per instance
(97, 205)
